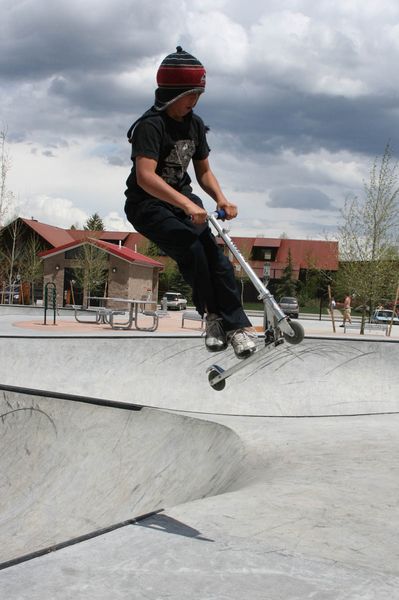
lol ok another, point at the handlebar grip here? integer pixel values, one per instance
(220, 214)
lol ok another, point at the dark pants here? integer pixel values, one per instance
(199, 258)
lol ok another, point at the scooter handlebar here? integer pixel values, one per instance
(219, 214)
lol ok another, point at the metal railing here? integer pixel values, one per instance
(51, 285)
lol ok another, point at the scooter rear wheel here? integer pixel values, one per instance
(299, 333)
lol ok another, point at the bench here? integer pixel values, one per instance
(131, 320)
(100, 314)
(191, 315)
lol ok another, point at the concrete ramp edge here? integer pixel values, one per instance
(311, 379)
(71, 468)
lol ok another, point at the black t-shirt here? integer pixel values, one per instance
(172, 144)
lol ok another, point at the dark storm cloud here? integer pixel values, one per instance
(300, 198)
(102, 95)
(79, 54)
(307, 122)
(40, 38)
(63, 65)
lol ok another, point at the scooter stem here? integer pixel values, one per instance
(264, 293)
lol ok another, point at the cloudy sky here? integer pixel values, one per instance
(301, 97)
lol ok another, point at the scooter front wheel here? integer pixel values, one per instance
(220, 385)
(298, 333)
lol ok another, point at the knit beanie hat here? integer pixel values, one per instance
(179, 74)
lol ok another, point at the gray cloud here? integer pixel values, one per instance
(307, 122)
(41, 38)
(118, 161)
(78, 51)
(300, 198)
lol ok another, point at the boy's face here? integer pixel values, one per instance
(181, 107)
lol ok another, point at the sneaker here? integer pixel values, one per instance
(215, 336)
(243, 343)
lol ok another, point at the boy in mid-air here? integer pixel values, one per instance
(160, 203)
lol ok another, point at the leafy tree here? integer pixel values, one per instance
(310, 284)
(91, 270)
(11, 254)
(153, 250)
(6, 196)
(164, 278)
(94, 223)
(170, 279)
(178, 284)
(369, 236)
(30, 266)
(313, 282)
(287, 284)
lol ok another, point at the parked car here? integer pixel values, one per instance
(175, 301)
(10, 295)
(289, 305)
(384, 316)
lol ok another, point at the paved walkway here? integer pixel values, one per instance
(18, 323)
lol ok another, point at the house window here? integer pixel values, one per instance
(262, 254)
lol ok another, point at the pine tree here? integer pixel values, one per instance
(287, 284)
(94, 223)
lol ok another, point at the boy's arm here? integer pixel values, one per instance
(153, 184)
(210, 185)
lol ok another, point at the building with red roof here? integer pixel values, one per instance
(132, 273)
(274, 252)
(129, 273)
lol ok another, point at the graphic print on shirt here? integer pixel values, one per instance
(177, 162)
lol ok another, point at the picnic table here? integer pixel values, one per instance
(106, 312)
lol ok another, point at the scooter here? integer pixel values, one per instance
(278, 327)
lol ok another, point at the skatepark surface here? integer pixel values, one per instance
(126, 476)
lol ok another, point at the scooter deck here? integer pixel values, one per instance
(217, 375)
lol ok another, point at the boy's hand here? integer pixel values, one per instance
(197, 214)
(229, 208)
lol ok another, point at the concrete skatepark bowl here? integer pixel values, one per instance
(284, 485)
